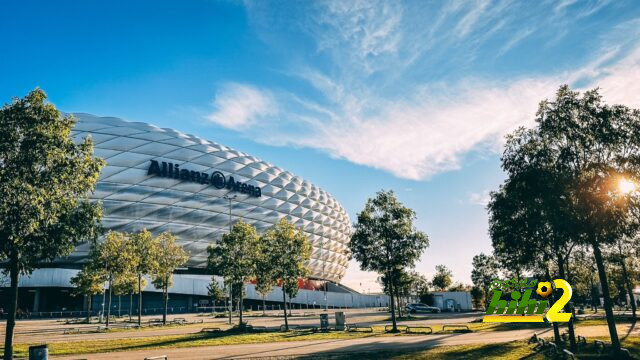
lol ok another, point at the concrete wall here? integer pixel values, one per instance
(197, 285)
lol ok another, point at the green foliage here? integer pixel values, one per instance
(112, 255)
(215, 291)
(385, 241)
(562, 185)
(125, 284)
(485, 269)
(442, 279)
(144, 249)
(384, 238)
(234, 257)
(88, 281)
(45, 179)
(478, 296)
(170, 257)
(287, 250)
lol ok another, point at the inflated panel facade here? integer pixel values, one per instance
(194, 208)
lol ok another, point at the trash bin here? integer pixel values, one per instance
(341, 320)
(39, 352)
(324, 321)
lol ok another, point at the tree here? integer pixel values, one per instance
(215, 292)
(485, 269)
(170, 257)
(88, 282)
(235, 257)
(442, 278)
(478, 296)
(144, 249)
(571, 164)
(385, 241)
(45, 179)
(287, 249)
(264, 288)
(125, 284)
(112, 257)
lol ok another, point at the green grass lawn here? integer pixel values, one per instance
(187, 340)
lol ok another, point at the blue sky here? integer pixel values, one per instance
(356, 96)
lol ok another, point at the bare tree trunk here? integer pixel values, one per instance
(572, 334)
(241, 324)
(89, 303)
(556, 331)
(263, 306)
(139, 299)
(627, 281)
(608, 306)
(165, 293)
(393, 310)
(130, 305)
(13, 306)
(284, 301)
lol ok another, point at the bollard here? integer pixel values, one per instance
(39, 352)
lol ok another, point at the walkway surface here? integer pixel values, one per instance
(316, 347)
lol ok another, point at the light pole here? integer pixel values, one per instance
(230, 285)
(324, 277)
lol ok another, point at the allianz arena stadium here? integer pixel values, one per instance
(161, 180)
(193, 206)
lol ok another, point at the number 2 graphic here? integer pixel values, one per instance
(553, 315)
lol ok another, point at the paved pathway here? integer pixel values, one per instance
(317, 347)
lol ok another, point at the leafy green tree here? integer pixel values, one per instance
(264, 286)
(45, 179)
(287, 250)
(442, 279)
(125, 284)
(112, 257)
(88, 282)
(478, 296)
(144, 249)
(215, 291)
(572, 162)
(235, 257)
(385, 241)
(170, 257)
(485, 269)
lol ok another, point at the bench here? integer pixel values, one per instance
(533, 339)
(179, 321)
(600, 346)
(456, 327)
(568, 354)
(163, 357)
(388, 328)
(282, 327)
(359, 328)
(211, 329)
(259, 328)
(419, 330)
(582, 340)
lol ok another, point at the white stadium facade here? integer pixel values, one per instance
(161, 180)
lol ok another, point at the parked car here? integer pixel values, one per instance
(421, 308)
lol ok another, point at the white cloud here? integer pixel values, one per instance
(369, 113)
(481, 198)
(239, 106)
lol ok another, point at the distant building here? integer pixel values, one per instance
(452, 300)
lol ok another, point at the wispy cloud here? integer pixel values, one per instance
(371, 108)
(480, 198)
(238, 106)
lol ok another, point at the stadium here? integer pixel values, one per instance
(163, 180)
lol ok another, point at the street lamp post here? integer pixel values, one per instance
(324, 277)
(230, 198)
